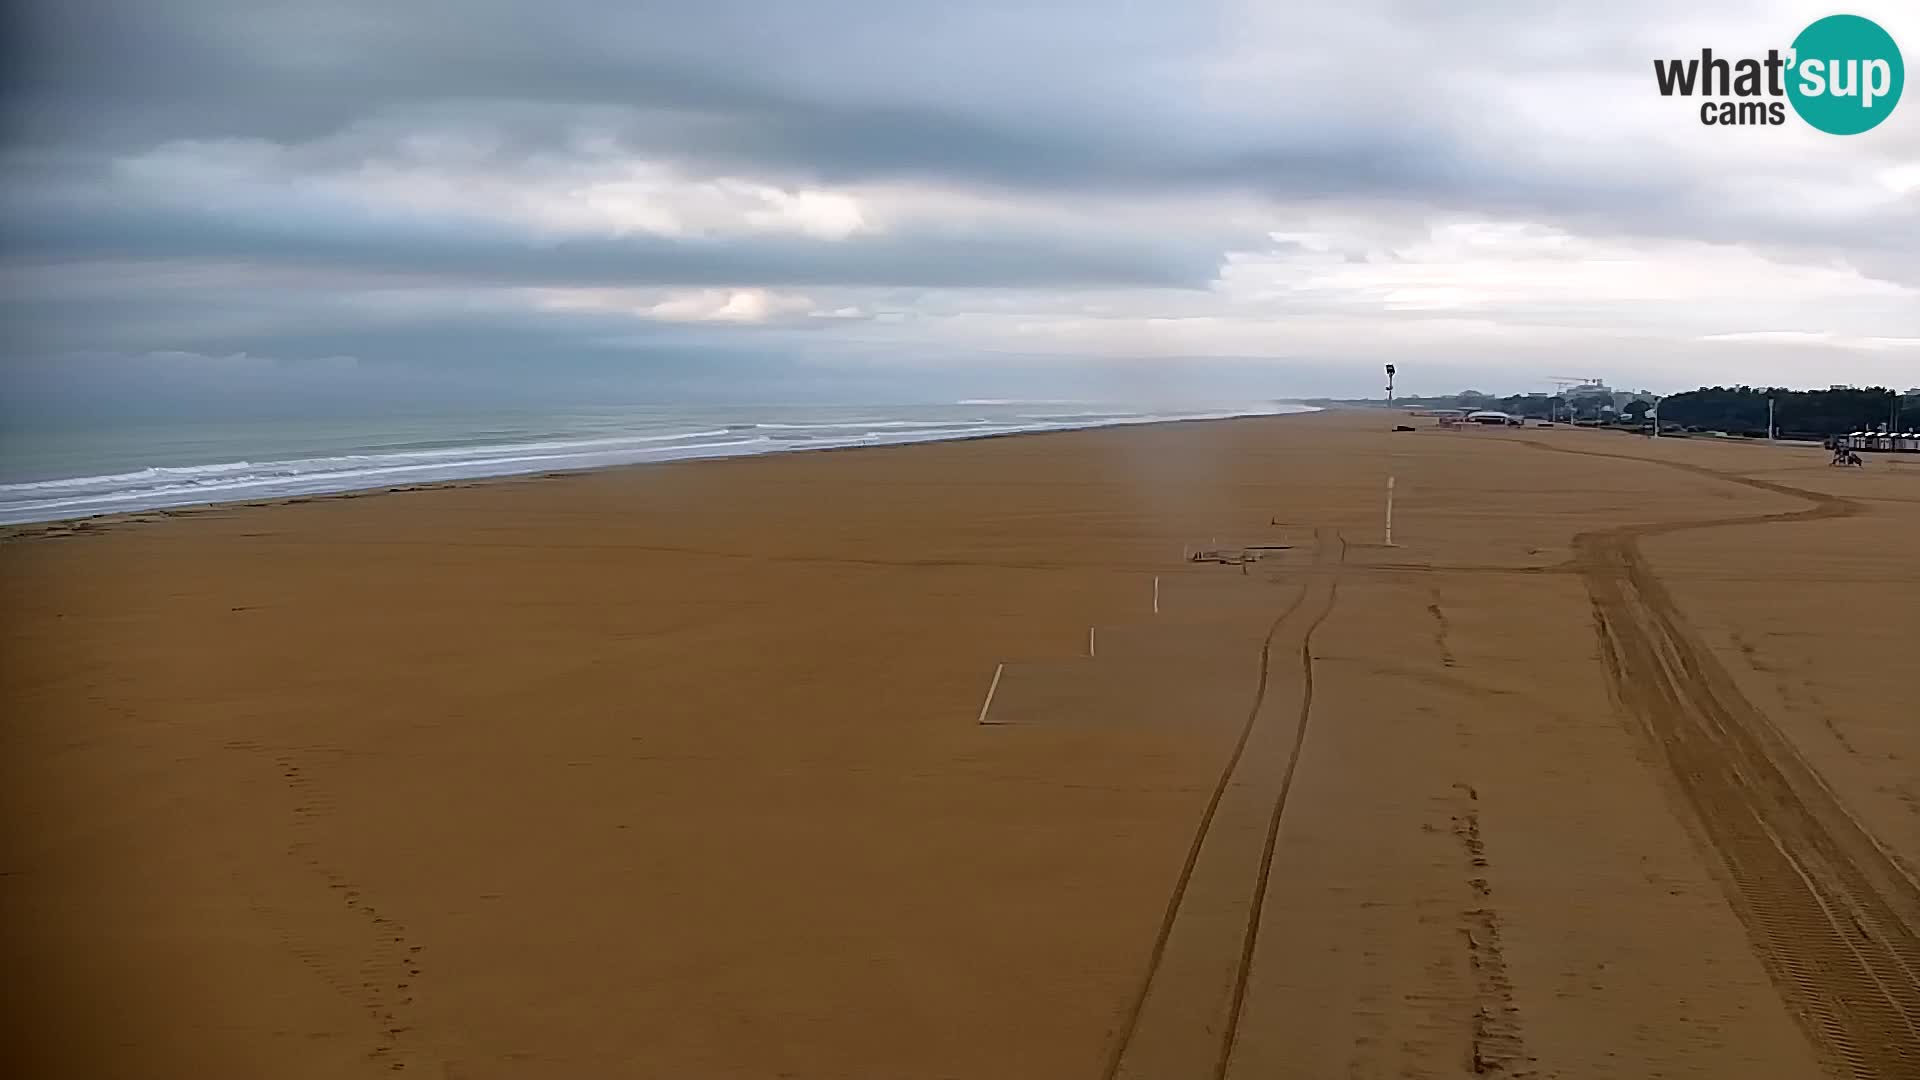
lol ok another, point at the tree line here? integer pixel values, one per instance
(1736, 410)
(1742, 410)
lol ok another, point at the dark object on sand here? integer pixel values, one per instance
(1402, 427)
(1845, 457)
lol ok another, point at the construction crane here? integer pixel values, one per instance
(1560, 389)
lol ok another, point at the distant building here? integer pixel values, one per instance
(1595, 397)
(1881, 441)
(1599, 395)
(1494, 418)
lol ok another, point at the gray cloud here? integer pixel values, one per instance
(1125, 151)
(1400, 103)
(479, 254)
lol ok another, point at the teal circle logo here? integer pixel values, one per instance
(1847, 75)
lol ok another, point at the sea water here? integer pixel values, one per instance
(73, 472)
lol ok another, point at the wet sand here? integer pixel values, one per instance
(1606, 770)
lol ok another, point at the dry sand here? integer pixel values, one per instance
(1608, 770)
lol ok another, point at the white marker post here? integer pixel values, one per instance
(1089, 642)
(1156, 594)
(1389, 511)
(991, 687)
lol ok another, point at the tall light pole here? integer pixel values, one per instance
(1389, 533)
(1770, 428)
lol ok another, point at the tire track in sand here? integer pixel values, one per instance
(1184, 1018)
(1834, 920)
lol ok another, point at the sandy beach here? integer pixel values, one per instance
(1606, 769)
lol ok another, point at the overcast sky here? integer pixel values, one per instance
(460, 199)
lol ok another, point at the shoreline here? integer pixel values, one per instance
(54, 528)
